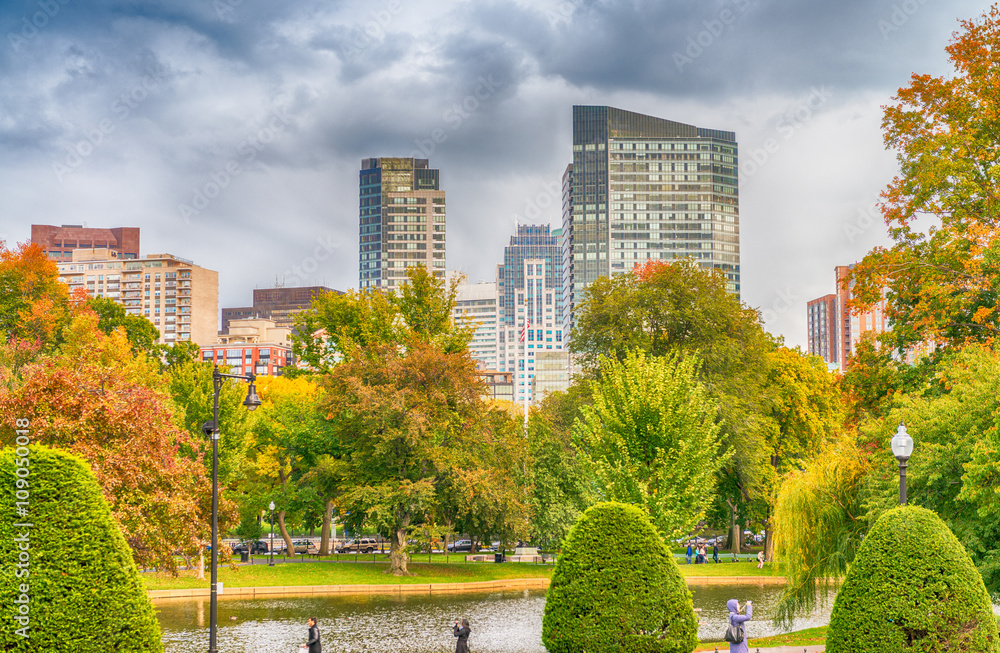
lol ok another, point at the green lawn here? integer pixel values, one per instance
(808, 637)
(729, 569)
(313, 573)
(369, 573)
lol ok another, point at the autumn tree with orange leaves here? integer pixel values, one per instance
(96, 399)
(942, 275)
(34, 304)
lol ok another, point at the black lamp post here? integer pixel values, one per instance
(902, 447)
(270, 549)
(211, 429)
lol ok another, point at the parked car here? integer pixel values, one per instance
(364, 545)
(304, 546)
(461, 546)
(258, 546)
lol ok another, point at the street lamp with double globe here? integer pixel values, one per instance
(211, 429)
(902, 447)
(270, 549)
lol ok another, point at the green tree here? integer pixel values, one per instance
(338, 325)
(912, 587)
(82, 589)
(140, 332)
(561, 485)
(406, 425)
(807, 411)
(190, 386)
(684, 310)
(290, 434)
(485, 492)
(819, 522)
(652, 439)
(616, 587)
(823, 513)
(952, 470)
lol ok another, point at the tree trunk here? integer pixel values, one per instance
(397, 550)
(735, 532)
(324, 541)
(289, 548)
(768, 538)
(201, 564)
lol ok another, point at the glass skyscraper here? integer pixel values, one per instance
(644, 188)
(402, 220)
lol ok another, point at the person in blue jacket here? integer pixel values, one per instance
(739, 619)
(689, 553)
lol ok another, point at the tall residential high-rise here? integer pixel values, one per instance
(180, 298)
(476, 307)
(59, 242)
(823, 321)
(647, 188)
(835, 329)
(529, 284)
(853, 326)
(402, 220)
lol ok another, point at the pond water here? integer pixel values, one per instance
(502, 622)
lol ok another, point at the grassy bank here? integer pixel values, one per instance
(313, 573)
(808, 637)
(372, 573)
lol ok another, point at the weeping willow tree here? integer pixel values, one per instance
(820, 520)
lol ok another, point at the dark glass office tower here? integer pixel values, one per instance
(402, 218)
(643, 188)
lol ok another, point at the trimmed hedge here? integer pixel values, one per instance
(616, 587)
(912, 587)
(82, 587)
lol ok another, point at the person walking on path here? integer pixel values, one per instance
(463, 636)
(715, 552)
(760, 560)
(313, 644)
(689, 552)
(740, 620)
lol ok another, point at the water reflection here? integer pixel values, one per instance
(712, 601)
(502, 622)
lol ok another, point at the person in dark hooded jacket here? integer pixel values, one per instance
(463, 636)
(313, 644)
(740, 620)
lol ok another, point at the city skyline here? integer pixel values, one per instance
(230, 131)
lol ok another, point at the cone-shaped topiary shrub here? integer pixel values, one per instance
(912, 588)
(617, 588)
(68, 581)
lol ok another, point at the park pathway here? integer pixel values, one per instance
(812, 648)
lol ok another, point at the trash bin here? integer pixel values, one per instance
(498, 557)
(244, 556)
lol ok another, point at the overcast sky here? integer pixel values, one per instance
(232, 131)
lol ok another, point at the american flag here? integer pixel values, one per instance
(524, 330)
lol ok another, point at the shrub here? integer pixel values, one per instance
(616, 587)
(912, 587)
(83, 589)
